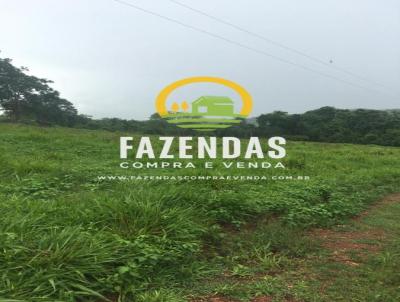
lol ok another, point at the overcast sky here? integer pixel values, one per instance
(111, 60)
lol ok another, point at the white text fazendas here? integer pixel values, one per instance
(207, 147)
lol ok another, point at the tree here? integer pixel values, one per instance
(274, 123)
(24, 97)
(175, 107)
(185, 106)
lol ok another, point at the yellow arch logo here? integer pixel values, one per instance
(206, 113)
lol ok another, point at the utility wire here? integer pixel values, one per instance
(244, 46)
(268, 40)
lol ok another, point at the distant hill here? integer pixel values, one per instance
(329, 124)
(326, 124)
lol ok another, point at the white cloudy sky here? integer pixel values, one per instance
(111, 60)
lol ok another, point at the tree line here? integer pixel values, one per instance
(29, 99)
(25, 97)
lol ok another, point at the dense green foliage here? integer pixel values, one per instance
(26, 97)
(66, 236)
(328, 124)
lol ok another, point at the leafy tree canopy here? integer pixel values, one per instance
(26, 97)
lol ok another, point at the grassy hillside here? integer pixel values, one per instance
(65, 235)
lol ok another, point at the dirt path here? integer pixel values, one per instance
(350, 245)
(346, 245)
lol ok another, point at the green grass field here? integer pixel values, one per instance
(67, 236)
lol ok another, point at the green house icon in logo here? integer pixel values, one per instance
(206, 113)
(213, 106)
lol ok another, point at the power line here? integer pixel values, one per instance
(273, 42)
(244, 46)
